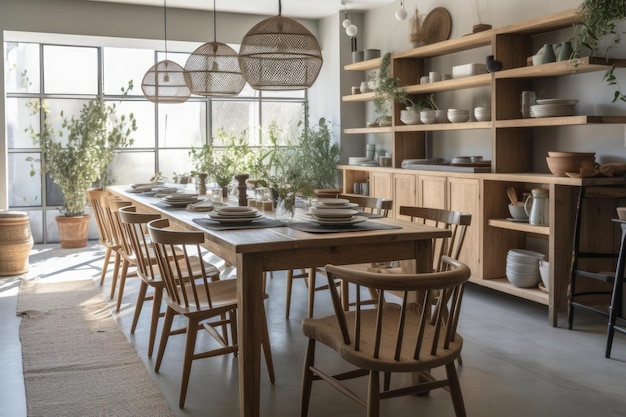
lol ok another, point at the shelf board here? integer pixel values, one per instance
(503, 285)
(559, 68)
(480, 80)
(520, 227)
(552, 22)
(442, 126)
(559, 121)
(363, 130)
(359, 97)
(474, 40)
(370, 64)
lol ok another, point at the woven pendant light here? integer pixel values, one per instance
(213, 69)
(165, 81)
(280, 54)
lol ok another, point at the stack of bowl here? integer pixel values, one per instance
(560, 163)
(522, 267)
(458, 115)
(428, 116)
(482, 114)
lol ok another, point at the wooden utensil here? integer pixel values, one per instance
(510, 191)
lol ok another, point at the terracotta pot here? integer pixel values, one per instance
(16, 242)
(73, 231)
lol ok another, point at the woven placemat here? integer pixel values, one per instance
(255, 224)
(358, 227)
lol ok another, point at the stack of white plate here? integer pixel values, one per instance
(553, 107)
(458, 115)
(335, 212)
(482, 114)
(180, 199)
(522, 267)
(357, 160)
(235, 214)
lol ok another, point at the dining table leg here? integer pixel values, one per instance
(250, 311)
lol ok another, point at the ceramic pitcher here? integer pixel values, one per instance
(537, 207)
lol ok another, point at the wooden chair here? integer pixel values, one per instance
(373, 206)
(209, 305)
(98, 202)
(124, 249)
(147, 268)
(391, 337)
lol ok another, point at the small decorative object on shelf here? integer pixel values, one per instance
(492, 64)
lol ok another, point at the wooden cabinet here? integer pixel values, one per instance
(511, 141)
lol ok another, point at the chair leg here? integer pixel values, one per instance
(373, 394)
(288, 293)
(120, 293)
(190, 346)
(116, 272)
(165, 334)
(455, 390)
(154, 321)
(267, 349)
(105, 265)
(141, 297)
(307, 378)
(311, 296)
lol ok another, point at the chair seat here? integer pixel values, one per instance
(327, 331)
(223, 296)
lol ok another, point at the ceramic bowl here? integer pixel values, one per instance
(428, 116)
(544, 272)
(523, 280)
(456, 116)
(621, 213)
(441, 116)
(559, 166)
(553, 154)
(409, 117)
(518, 212)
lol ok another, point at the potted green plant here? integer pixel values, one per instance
(599, 32)
(77, 155)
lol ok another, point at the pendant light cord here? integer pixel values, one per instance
(165, 25)
(214, 23)
(280, 8)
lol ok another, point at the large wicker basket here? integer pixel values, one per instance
(16, 241)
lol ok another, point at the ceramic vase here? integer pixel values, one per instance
(565, 51)
(548, 54)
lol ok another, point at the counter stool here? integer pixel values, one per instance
(617, 298)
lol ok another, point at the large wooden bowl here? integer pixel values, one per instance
(559, 166)
(571, 154)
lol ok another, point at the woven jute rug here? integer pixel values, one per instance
(76, 360)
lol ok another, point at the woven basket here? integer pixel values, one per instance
(16, 241)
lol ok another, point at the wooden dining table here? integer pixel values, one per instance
(256, 250)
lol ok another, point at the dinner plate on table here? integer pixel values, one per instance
(335, 206)
(333, 213)
(335, 222)
(332, 201)
(234, 219)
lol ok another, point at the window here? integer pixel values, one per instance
(66, 76)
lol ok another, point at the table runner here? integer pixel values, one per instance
(358, 227)
(255, 224)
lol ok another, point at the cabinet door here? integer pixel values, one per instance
(404, 192)
(380, 185)
(432, 192)
(464, 195)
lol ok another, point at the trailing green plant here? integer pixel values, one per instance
(599, 32)
(80, 160)
(388, 90)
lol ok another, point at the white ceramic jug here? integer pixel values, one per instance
(537, 207)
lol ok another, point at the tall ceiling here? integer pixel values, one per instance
(312, 9)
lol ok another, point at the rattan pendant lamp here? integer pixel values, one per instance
(213, 68)
(165, 81)
(280, 54)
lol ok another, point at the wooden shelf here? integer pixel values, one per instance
(442, 126)
(544, 24)
(475, 40)
(370, 64)
(360, 97)
(559, 121)
(503, 285)
(559, 68)
(362, 130)
(520, 227)
(481, 80)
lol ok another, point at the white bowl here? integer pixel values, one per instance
(544, 272)
(441, 116)
(428, 116)
(523, 280)
(409, 117)
(482, 115)
(458, 117)
(526, 253)
(522, 268)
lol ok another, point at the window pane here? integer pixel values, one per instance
(236, 117)
(18, 119)
(69, 107)
(284, 94)
(70, 70)
(286, 115)
(21, 67)
(24, 190)
(124, 64)
(174, 161)
(182, 125)
(144, 136)
(132, 167)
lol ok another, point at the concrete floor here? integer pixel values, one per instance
(515, 363)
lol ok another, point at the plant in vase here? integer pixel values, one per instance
(77, 154)
(599, 32)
